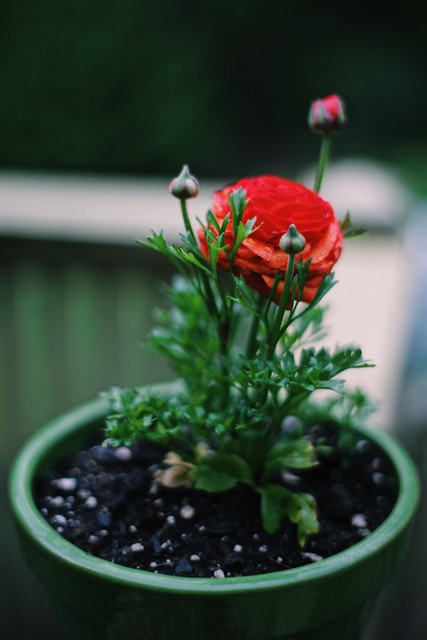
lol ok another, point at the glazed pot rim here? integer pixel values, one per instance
(31, 521)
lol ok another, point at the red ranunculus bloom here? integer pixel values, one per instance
(277, 203)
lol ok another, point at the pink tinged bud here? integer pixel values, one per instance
(185, 185)
(292, 242)
(327, 115)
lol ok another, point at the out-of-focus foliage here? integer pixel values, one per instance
(141, 85)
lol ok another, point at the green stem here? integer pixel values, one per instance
(287, 407)
(187, 222)
(251, 345)
(207, 293)
(280, 311)
(224, 345)
(323, 161)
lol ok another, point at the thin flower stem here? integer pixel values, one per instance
(280, 311)
(187, 222)
(323, 161)
(251, 345)
(205, 289)
(287, 407)
(224, 347)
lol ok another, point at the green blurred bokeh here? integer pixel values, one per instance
(138, 86)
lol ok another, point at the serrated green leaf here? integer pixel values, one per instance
(190, 258)
(244, 295)
(304, 515)
(221, 472)
(345, 222)
(330, 385)
(210, 218)
(299, 454)
(237, 202)
(241, 233)
(274, 506)
(157, 242)
(278, 503)
(347, 228)
(216, 237)
(355, 233)
(215, 246)
(250, 226)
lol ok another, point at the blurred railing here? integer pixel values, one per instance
(72, 321)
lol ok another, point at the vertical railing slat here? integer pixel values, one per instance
(33, 311)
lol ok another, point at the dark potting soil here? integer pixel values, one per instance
(104, 500)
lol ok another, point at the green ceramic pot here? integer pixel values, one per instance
(98, 600)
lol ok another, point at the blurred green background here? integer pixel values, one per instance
(139, 85)
(136, 88)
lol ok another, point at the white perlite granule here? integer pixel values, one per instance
(219, 573)
(314, 557)
(187, 512)
(359, 521)
(66, 484)
(123, 454)
(91, 502)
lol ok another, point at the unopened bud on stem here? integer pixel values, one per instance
(185, 185)
(327, 115)
(292, 242)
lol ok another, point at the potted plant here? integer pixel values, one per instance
(230, 502)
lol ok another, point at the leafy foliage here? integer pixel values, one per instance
(246, 364)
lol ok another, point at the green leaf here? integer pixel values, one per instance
(245, 296)
(274, 506)
(331, 385)
(299, 454)
(278, 503)
(347, 228)
(181, 257)
(304, 515)
(215, 246)
(213, 222)
(210, 219)
(237, 203)
(250, 226)
(326, 285)
(187, 257)
(220, 472)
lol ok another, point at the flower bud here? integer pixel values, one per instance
(327, 115)
(185, 185)
(292, 242)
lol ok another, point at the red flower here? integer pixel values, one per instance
(327, 114)
(277, 203)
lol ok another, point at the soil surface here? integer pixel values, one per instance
(104, 501)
